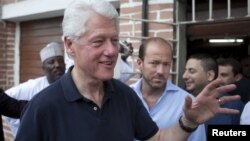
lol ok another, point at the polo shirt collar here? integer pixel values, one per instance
(169, 87)
(72, 94)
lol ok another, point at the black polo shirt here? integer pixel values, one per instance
(61, 113)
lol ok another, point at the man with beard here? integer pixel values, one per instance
(53, 66)
(158, 94)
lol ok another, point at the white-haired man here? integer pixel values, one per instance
(88, 104)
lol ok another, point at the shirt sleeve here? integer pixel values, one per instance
(245, 116)
(9, 106)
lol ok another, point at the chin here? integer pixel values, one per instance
(158, 86)
(106, 77)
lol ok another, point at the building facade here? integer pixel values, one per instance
(26, 26)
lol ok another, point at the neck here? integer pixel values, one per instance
(150, 94)
(89, 88)
(196, 92)
(49, 80)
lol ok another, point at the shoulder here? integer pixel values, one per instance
(34, 82)
(247, 108)
(135, 85)
(245, 116)
(178, 90)
(120, 86)
(49, 94)
(124, 91)
(28, 89)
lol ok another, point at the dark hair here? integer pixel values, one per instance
(245, 57)
(207, 62)
(236, 66)
(145, 43)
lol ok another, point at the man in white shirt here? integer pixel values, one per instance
(53, 66)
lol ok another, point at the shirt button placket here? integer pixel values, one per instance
(95, 108)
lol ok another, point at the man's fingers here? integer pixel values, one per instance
(226, 99)
(228, 111)
(188, 102)
(223, 89)
(215, 88)
(212, 86)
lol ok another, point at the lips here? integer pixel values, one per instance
(107, 62)
(159, 79)
(188, 84)
(58, 72)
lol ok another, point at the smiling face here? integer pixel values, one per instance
(196, 77)
(95, 52)
(156, 64)
(54, 68)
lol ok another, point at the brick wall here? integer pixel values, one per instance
(7, 42)
(7, 38)
(162, 12)
(8, 1)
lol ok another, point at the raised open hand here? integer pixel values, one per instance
(207, 105)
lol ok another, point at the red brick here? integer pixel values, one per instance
(166, 15)
(129, 10)
(160, 6)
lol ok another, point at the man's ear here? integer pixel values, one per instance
(68, 46)
(211, 75)
(139, 63)
(238, 77)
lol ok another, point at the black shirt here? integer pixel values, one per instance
(61, 113)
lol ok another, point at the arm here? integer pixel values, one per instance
(9, 106)
(196, 112)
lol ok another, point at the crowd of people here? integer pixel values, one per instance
(86, 102)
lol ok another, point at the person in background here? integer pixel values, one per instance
(229, 70)
(9, 107)
(245, 116)
(125, 69)
(88, 104)
(158, 94)
(230, 73)
(53, 66)
(245, 63)
(200, 70)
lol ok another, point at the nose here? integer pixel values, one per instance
(220, 76)
(111, 49)
(185, 75)
(160, 69)
(56, 63)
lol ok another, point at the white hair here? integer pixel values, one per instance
(78, 12)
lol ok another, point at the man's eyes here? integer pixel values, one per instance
(98, 43)
(156, 63)
(153, 62)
